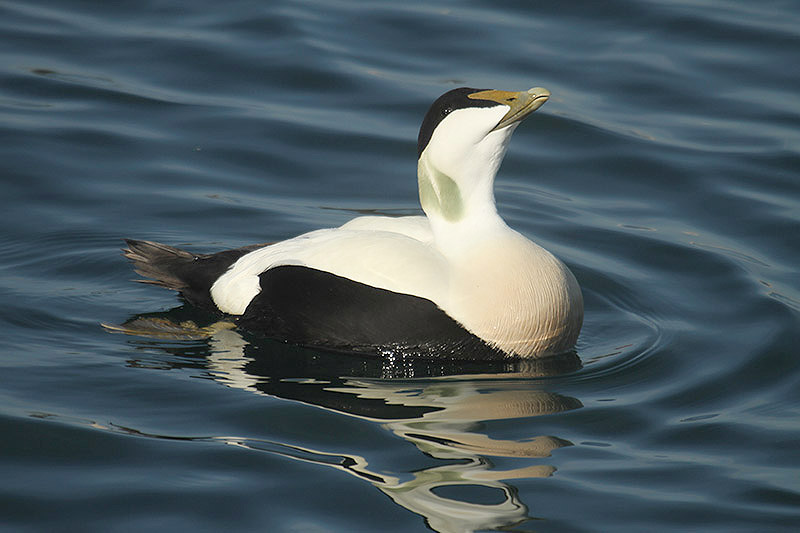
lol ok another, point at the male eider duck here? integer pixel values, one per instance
(456, 283)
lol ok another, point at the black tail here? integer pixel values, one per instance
(190, 274)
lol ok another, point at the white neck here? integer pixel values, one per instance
(460, 204)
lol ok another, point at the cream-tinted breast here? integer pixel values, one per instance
(516, 296)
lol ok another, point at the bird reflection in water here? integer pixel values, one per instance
(439, 406)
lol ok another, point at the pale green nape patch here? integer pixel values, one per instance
(438, 193)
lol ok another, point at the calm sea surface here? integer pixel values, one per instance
(665, 171)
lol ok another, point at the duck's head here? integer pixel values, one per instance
(461, 144)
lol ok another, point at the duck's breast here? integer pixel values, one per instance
(516, 296)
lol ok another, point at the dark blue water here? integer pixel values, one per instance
(665, 171)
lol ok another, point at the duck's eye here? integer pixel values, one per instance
(446, 111)
(511, 99)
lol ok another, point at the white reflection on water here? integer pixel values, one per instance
(454, 410)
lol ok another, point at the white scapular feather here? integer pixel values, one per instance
(388, 260)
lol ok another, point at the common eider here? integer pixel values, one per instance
(456, 283)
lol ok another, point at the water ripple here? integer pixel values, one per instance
(663, 171)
